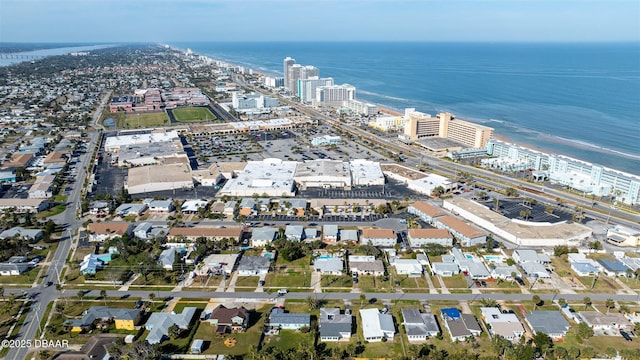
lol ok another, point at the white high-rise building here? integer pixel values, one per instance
(307, 87)
(287, 63)
(334, 95)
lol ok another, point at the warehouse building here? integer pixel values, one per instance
(273, 177)
(158, 178)
(323, 174)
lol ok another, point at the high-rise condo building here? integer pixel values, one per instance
(307, 87)
(419, 125)
(334, 95)
(287, 63)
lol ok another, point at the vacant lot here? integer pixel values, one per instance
(193, 114)
(140, 121)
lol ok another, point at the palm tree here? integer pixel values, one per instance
(587, 302)
(103, 295)
(2, 292)
(81, 295)
(610, 304)
(536, 301)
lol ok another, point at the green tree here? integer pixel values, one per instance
(536, 301)
(438, 191)
(584, 331)
(543, 342)
(561, 353)
(511, 192)
(587, 302)
(574, 352)
(610, 304)
(103, 295)
(174, 331)
(312, 302)
(81, 295)
(562, 302)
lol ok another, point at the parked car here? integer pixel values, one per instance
(625, 335)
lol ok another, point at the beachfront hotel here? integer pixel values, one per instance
(419, 125)
(577, 174)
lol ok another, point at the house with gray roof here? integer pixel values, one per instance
(534, 269)
(131, 209)
(522, 256)
(504, 272)
(294, 232)
(31, 235)
(334, 326)
(159, 324)
(8, 268)
(142, 230)
(330, 233)
(311, 234)
(159, 206)
(262, 236)
(445, 269)
(329, 266)
(613, 268)
(551, 323)
(349, 236)
(365, 265)
(605, 322)
(459, 325)
(281, 320)
(419, 326)
(253, 266)
(105, 313)
(167, 258)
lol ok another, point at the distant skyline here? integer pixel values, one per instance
(319, 20)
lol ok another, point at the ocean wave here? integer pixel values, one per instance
(384, 96)
(593, 146)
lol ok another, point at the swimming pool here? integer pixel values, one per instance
(494, 258)
(325, 257)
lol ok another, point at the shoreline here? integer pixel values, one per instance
(386, 109)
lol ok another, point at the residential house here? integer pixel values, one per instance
(605, 322)
(365, 265)
(293, 206)
(466, 234)
(534, 269)
(445, 268)
(159, 206)
(131, 209)
(329, 266)
(101, 231)
(425, 211)
(97, 347)
(263, 236)
(11, 268)
(330, 233)
(584, 269)
(281, 320)
(551, 323)
(334, 326)
(230, 208)
(124, 319)
(99, 208)
(159, 324)
(460, 326)
(503, 324)
(247, 207)
(376, 325)
(421, 237)
(142, 230)
(410, 267)
(21, 206)
(253, 266)
(311, 234)
(419, 326)
(42, 188)
(217, 264)
(505, 272)
(193, 206)
(523, 256)
(190, 234)
(229, 320)
(379, 237)
(613, 268)
(31, 235)
(94, 262)
(294, 232)
(349, 236)
(472, 266)
(167, 257)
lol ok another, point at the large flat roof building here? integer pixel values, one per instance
(273, 177)
(523, 233)
(159, 178)
(365, 172)
(323, 173)
(419, 125)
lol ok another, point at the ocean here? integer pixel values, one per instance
(581, 100)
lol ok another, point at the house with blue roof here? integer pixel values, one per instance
(613, 268)
(584, 269)
(94, 262)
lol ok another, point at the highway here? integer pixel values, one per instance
(42, 294)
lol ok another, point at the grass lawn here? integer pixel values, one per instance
(202, 281)
(193, 114)
(336, 281)
(7, 317)
(299, 264)
(602, 284)
(136, 121)
(58, 209)
(407, 282)
(456, 281)
(24, 278)
(183, 304)
(598, 343)
(247, 281)
(244, 340)
(289, 339)
(288, 278)
(561, 266)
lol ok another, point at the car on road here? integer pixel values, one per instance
(49, 283)
(261, 283)
(283, 291)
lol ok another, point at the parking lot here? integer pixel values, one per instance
(235, 147)
(325, 218)
(512, 208)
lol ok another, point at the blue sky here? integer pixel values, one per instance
(318, 20)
